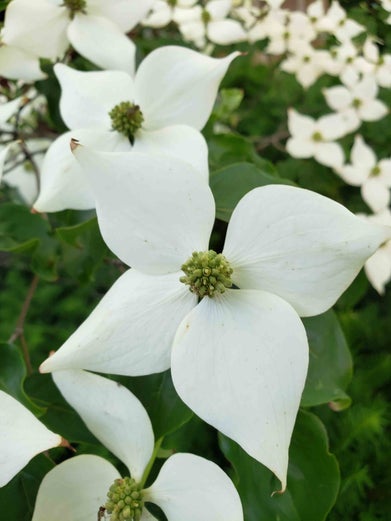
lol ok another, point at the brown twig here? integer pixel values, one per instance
(272, 140)
(19, 329)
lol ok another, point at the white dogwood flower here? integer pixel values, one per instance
(187, 487)
(315, 138)
(307, 63)
(22, 437)
(375, 65)
(210, 22)
(95, 28)
(339, 24)
(290, 251)
(161, 109)
(373, 176)
(358, 100)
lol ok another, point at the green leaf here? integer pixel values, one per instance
(86, 250)
(158, 395)
(17, 499)
(227, 102)
(225, 149)
(20, 230)
(313, 477)
(330, 366)
(13, 374)
(231, 183)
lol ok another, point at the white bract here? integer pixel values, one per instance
(162, 109)
(373, 176)
(358, 100)
(292, 252)
(378, 267)
(22, 437)
(163, 12)
(95, 28)
(17, 64)
(315, 138)
(187, 487)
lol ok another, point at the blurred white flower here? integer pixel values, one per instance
(307, 63)
(372, 175)
(22, 437)
(210, 22)
(337, 23)
(375, 65)
(358, 100)
(45, 28)
(315, 138)
(187, 486)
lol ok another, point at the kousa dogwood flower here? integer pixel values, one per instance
(95, 28)
(210, 22)
(336, 22)
(373, 176)
(315, 138)
(165, 11)
(290, 251)
(88, 487)
(285, 30)
(378, 267)
(161, 109)
(22, 437)
(375, 65)
(358, 100)
(307, 63)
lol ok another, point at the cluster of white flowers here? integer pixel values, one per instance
(139, 158)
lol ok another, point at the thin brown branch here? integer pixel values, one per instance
(19, 328)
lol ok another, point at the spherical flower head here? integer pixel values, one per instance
(125, 502)
(207, 273)
(126, 118)
(75, 6)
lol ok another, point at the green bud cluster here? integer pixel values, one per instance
(75, 6)
(375, 171)
(205, 16)
(125, 501)
(126, 118)
(207, 273)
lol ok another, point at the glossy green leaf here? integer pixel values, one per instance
(20, 230)
(226, 149)
(158, 395)
(231, 183)
(13, 374)
(83, 249)
(330, 365)
(313, 477)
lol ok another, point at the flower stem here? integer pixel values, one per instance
(151, 462)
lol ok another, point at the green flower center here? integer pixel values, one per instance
(75, 6)
(126, 118)
(205, 16)
(375, 171)
(124, 500)
(357, 103)
(207, 273)
(317, 136)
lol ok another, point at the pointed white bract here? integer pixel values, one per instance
(22, 437)
(77, 488)
(293, 253)
(174, 88)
